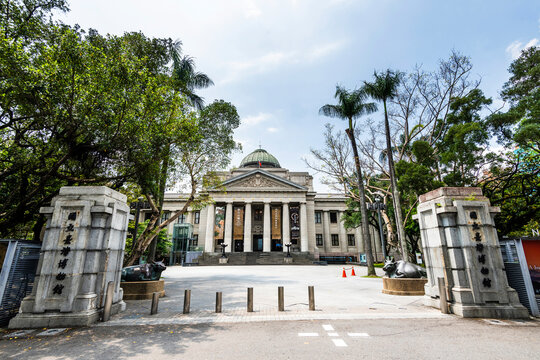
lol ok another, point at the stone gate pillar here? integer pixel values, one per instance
(83, 249)
(460, 243)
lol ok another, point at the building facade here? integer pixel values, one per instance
(263, 206)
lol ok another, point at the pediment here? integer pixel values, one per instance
(260, 180)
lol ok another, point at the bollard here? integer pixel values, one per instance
(187, 300)
(250, 299)
(281, 302)
(155, 302)
(108, 301)
(311, 293)
(442, 295)
(218, 301)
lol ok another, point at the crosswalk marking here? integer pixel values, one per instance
(328, 327)
(333, 334)
(358, 334)
(339, 342)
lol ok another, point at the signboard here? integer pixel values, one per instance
(220, 223)
(295, 223)
(531, 248)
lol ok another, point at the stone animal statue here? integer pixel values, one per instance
(145, 272)
(403, 269)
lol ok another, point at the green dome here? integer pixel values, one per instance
(260, 155)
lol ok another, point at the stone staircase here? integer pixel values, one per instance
(256, 258)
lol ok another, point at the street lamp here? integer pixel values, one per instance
(138, 205)
(288, 249)
(378, 205)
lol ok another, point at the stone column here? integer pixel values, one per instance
(227, 238)
(342, 233)
(266, 227)
(359, 240)
(248, 241)
(210, 219)
(303, 228)
(286, 226)
(326, 231)
(189, 216)
(82, 251)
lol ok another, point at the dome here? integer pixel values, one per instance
(266, 160)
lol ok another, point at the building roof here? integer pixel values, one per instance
(260, 158)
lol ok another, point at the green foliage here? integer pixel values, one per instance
(163, 246)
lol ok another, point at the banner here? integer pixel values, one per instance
(238, 223)
(295, 223)
(531, 248)
(220, 223)
(276, 223)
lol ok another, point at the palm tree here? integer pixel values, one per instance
(186, 79)
(351, 106)
(383, 89)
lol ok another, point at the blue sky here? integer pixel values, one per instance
(279, 61)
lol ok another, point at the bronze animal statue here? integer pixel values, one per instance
(145, 272)
(403, 269)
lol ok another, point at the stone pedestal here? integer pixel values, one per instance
(288, 260)
(83, 250)
(142, 290)
(403, 286)
(223, 260)
(460, 244)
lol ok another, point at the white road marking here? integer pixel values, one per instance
(328, 327)
(308, 334)
(333, 334)
(358, 334)
(339, 342)
(52, 332)
(18, 333)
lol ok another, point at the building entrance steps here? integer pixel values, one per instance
(257, 258)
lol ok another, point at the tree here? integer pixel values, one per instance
(351, 105)
(383, 88)
(208, 149)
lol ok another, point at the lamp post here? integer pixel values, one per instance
(288, 249)
(380, 206)
(223, 246)
(138, 205)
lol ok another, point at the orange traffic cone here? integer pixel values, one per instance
(353, 273)
(344, 273)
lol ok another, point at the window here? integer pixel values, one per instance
(335, 240)
(195, 242)
(165, 216)
(318, 217)
(197, 217)
(318, 239)
(333, 217)
(258, 214)
(350, 240)
(181, 219)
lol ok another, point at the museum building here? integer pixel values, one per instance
(261, 207)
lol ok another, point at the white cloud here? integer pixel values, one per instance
(272, 130)
(515, 48)
(251, 10)
(275, 59)
(255, 119)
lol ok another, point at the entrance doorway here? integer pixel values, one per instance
(257, 243)
(238, 245)
(276, 245)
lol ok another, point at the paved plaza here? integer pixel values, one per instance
(354, 297)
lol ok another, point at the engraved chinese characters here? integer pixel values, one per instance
(66, 240)
(480, 248)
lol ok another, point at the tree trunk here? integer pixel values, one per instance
(363, 208)
(395, 193)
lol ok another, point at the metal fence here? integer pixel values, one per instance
(20, 260)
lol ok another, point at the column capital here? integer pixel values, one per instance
(248, 201)
(285, 202)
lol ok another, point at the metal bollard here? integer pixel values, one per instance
(109, 292)
(218, 301)
(281, 301)
(250, 299)
(187, 301)
(442, 295)
(155, 302)
(311, 293)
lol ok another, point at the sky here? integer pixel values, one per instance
(279, 61)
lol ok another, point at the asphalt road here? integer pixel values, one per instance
(449, 338)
